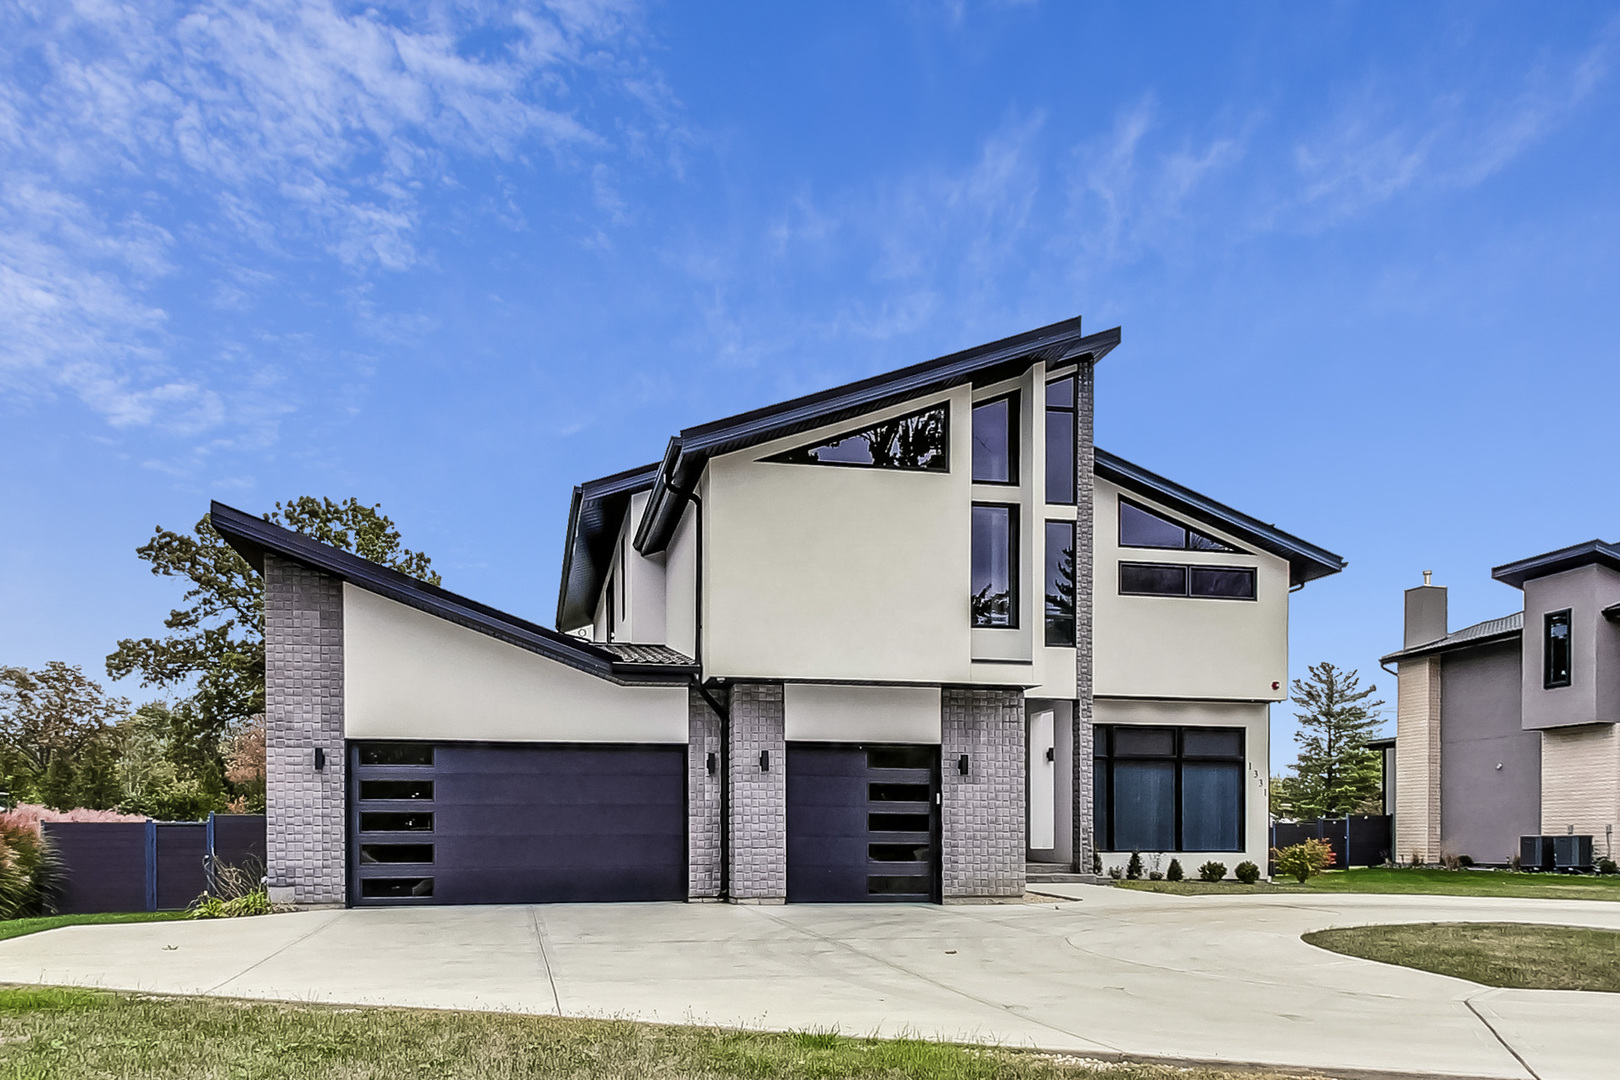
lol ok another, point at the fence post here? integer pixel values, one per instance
(151, 865)
(1347, 859)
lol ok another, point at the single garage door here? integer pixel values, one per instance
(862, 823)
(502, 823)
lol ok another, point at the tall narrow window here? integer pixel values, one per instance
(995, 441)
(1060, 441)
(612, 613)
(1060, 583)
(1555, 650)
(995, 566)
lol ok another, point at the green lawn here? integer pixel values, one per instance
(1492, 954)
(73, 1034)
(1434, 882)
(10, 928)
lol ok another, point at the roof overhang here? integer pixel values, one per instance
(1306, 561)
(595, 517)
(1593, 552)
(995, 361)
(254, 537)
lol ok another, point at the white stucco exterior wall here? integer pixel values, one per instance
(680, 585)
(411, 675)
(820, 712)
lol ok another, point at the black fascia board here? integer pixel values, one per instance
(1612, 613)
(688, 453)
(1306, 561)
(595, 515)
(1556, 562)
(253, 537)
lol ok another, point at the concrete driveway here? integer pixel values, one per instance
(1102, 972)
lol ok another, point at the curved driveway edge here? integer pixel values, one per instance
(1097, 970)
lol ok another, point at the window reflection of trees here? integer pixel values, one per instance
(918, 442)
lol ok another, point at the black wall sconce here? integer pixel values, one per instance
(714, 763)
(764, 761)
(1050, 755)
(962, 764)
(320, 759)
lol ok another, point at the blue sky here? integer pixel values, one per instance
(457, 257)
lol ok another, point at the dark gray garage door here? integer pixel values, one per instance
(477, 823)
(862, 823)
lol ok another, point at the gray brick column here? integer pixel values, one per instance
(303, 675)
(1085, 487)
(982, 812)
(758, 795)
(703, 797)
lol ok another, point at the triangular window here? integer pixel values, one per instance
(918, 441)
(1141, 527)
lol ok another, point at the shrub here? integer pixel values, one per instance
(1115, 872)
(1133, 869)
(1304, 860)
(237, 891)
(1096, 863)
(1607, 866)
(1212, 871)
(29, 870)
(1247, 872)
(1174, 873)
(1155, 875)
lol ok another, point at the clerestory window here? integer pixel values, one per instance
(1141, 527)
(918, 442)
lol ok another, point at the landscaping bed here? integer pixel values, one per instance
(1413, 881)
(1518, 955)
(73, 1034)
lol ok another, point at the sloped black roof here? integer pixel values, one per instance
(1556, 562)
(1488, 632)
(252, 537)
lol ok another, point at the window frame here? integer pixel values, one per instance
(1221, 546)
(1046, 617)
(1073, 412)
(1014, 465)
(1187, 593)
(1103, 754)
(1013, 566)
(1549, 681)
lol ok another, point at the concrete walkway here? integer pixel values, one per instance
(1104, 972)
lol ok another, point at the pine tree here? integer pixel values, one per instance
(95, 784)
(56, 787)
(1335, 773)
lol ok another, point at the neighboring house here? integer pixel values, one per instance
(1507, 728)
(836, 649)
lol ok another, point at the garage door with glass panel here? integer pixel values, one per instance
(495, 823)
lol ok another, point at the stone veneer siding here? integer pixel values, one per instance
(1417, 760)
(758, 851)
(703, 797)
(1580, 782)
(303, 662)
(981, 813)
(1085, 471)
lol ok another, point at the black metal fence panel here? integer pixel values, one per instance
(1356, 840)
(180, 866)
(103, 865)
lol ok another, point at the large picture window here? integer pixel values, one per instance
(1059, 590)
(1555, 650)
(1060, 449)
(995, 566)
(1168, 788)
(995, 441)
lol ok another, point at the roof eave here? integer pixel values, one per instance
(1556, 562)
(1435, 648)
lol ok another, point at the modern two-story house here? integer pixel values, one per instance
(1511, 727)
(887, 642)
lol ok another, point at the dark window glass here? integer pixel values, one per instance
(900, 757)
(372, 821)
(1152, 579)
(918, 441)
(1555, 651)
(1060, 449)
(1059, 591)
(395, 853)
(396, 789)
(995, 566)
(1221, 582)
(898, 852)
(1144, 805)
(1140, 527)
(886, 885)
(1211, 806)
(995, 441)
(612, 613)
(1165, 789)
(897, 792)
(396, 753)
(917, 823)
(396, 888)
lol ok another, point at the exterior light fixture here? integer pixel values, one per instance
(320, 759)
(962, 764)
(764, 761)
(713, 764)
(1051, 754)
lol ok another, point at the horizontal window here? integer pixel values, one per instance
(1200, 582)
(375, 821)
(902, 853)
(395, 853)
(396, 789)
(897, 823)
(396, 753)
(1141, 527)
(897, 792)
(918, 442)
(900, 757)
(396, 888)
(886, 885)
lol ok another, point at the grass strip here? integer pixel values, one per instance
(100, 1035)
(1517, 955)
(11, 928)
(1421, 880)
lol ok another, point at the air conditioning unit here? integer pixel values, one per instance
(1536, 852)
(1572, 852)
